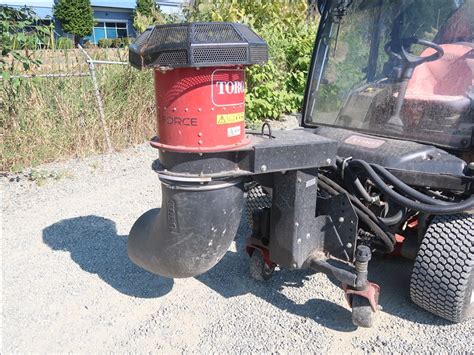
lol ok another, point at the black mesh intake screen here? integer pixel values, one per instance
(198, 45)
(219, 55)
(258, 54)
(216, 33)
(172, 58)
(168, 35)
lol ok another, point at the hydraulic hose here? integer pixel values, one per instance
(396, 218)
(389, 221)
(358, 185)
(387, 242)
(400, 185)
(367, 216)
(452, 208)
(354, 200)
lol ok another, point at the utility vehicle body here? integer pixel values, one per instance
(383, 162)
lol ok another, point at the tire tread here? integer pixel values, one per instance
(442, 274)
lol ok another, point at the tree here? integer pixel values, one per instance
(145, 7)
(147, 13)
(75, 17)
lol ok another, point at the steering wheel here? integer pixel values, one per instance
(400, 48)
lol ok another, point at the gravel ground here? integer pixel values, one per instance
(69, 286)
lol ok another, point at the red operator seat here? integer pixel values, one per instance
(443, 84)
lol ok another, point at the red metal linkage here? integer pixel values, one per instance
(250, 248)
(371, 293)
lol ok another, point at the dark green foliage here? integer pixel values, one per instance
(278, 86)
(105, 42)
(147, 13)
(75, 17)
(16, 33)
(145, 7)
(17, 42)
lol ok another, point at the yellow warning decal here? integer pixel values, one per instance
(230, 118)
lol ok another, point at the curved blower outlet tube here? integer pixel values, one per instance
(191, 232)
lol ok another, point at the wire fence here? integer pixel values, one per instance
(100, 105)
(92, 73)
(59, 106)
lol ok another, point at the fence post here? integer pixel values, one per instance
(100, 106)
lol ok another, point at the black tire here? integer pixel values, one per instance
(443, 276)
(362, 313)
(257, 199)
(259, 270)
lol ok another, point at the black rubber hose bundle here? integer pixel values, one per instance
(364, 214)
(427, 204)
(409, 191)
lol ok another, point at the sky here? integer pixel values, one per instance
(49, 3)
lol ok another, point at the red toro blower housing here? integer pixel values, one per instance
(199, 82)
(200, 103)
(205, 154)
(200, 109)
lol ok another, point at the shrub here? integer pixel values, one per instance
(277, 87)
(89, 44)
(123, 42)
(105, 42)
(126, 41)
(17, 53)
(116, 43)
(65, 43)
(19, 32)
(120, 42)
(147, 13)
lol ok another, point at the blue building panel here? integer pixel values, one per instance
(114, 18)
(112, 23)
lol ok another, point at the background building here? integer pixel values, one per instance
(114, 18)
